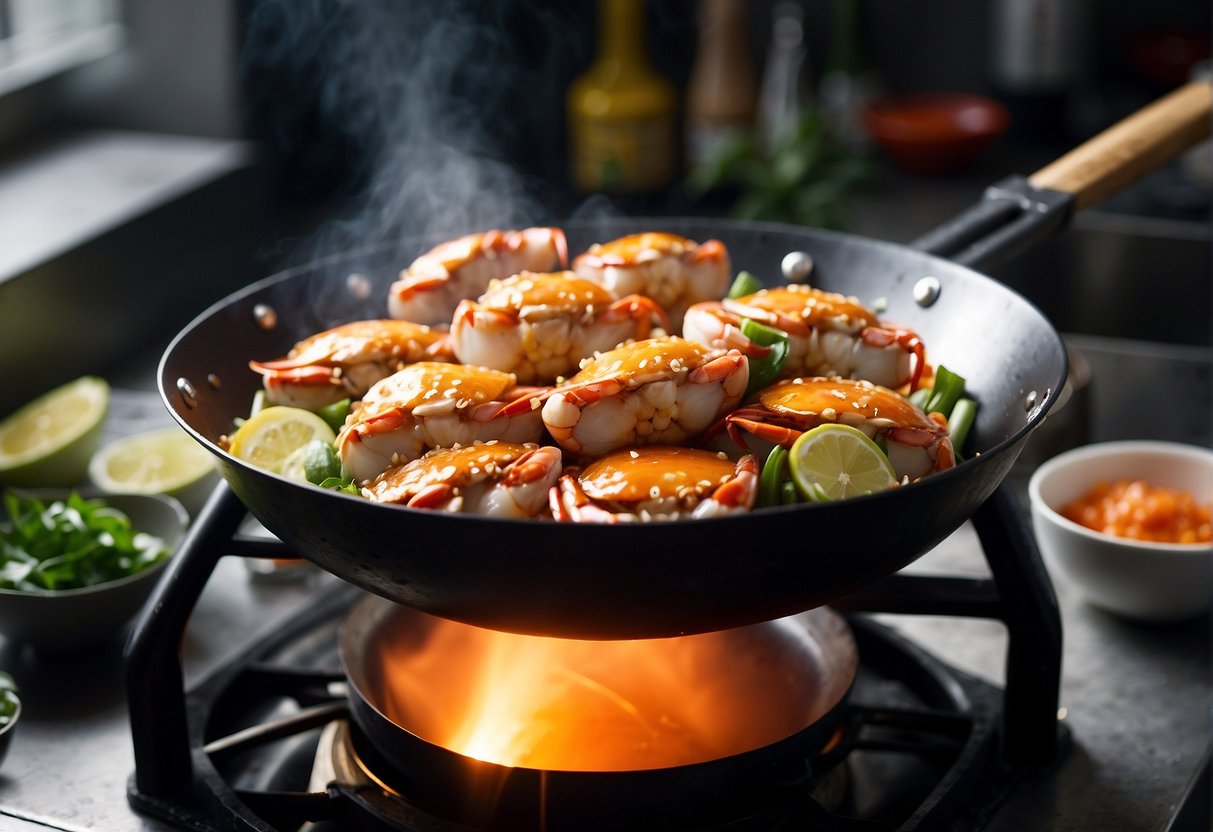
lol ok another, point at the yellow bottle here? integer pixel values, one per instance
(621, 112)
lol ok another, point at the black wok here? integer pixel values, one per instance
(663, 579)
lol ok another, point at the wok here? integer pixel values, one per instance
(662, 579)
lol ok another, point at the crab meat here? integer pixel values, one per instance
(431, 405)
(657, 391)
(828, 334)
(656, 482)
(539, 326)
(673, 271)
(429, 290)
(345, 361)
(499, 479)
(917, 444)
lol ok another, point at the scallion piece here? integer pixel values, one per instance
(763, 371)
(744, 284)
(949, 387)
(960, 422)
(774, 474)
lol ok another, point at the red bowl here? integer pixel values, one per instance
(935, 132)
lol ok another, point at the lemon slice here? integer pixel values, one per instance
(162, 461)
(271, 437)
(49, 441)
(833, 462)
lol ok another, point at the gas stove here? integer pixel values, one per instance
(259, 654)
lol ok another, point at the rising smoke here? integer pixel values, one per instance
(423, 96)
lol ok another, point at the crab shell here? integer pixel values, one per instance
(916, 443)
(540, 325)
(828, 334)
(672, 270)
(345, 361)
(657, 391)
(432, 286)
(433, 405)
(656, 482)
(501, 479)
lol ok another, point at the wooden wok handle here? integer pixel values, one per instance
(1131, 148)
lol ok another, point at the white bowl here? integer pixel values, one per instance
(68, 620)
(1135, 579)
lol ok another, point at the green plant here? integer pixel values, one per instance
(805, 178)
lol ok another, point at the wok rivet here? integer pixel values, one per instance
(265, 316)
(1030, 402)
(359, 285)
(926, 290)
(213, 381)
(188, 394)
(797, 266)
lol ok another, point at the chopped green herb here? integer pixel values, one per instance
(69, 544)
(344, 485)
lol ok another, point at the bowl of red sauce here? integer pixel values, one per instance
(932, 133)
(1127, 524)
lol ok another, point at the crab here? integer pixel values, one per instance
(672, 270)
(656, 482)
(916, 443)
(657, 391)
(343, 362)
(432, 405)
(539, 326)
(828, 334)
(432, 286)
(500, 479)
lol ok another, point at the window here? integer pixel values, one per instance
(41, 38)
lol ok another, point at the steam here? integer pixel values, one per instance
(422, 90)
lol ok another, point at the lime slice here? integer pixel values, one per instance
(270, 438)
(833, 462)
(162, 461)
(48, 442)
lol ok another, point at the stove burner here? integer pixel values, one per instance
(924, 746)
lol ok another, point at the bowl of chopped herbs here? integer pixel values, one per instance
(76, 567)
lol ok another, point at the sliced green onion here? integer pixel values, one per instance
(920, 397)
(949, 387)
(744, 284)
(788, 495)
(773, 476)
(960, 422)
(763, 371)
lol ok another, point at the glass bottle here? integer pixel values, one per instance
(721, 91)
(621, 111)
(784, 95)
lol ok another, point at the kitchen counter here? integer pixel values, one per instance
(1136, 700)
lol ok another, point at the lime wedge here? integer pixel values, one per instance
(270, 437)
(162, 461)
(833, 462)
(48, 442)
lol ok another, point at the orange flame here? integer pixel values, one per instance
(557, 704)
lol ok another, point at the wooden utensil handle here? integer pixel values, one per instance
(1131, 148)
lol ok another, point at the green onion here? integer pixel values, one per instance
(334, 414)
(960, 422)
(744, 284)
(763, 371)
(773, 476)
(948, 388)
(69, 544)
(788, 495)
